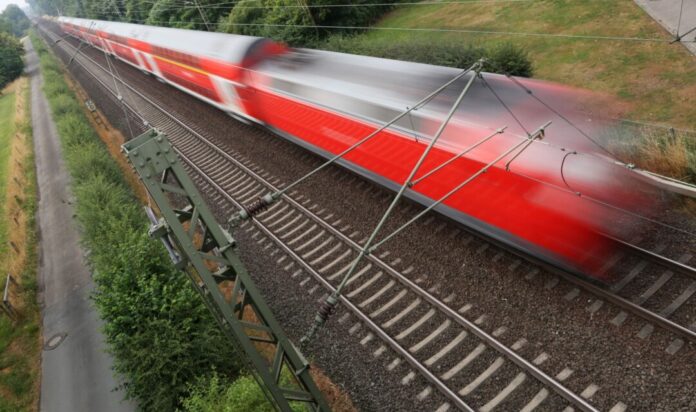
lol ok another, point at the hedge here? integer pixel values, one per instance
(504, 58)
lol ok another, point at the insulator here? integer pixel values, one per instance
(325, 310)
(256, 207)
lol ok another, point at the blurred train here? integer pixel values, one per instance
(327, 101)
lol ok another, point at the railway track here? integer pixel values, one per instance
(436, 339)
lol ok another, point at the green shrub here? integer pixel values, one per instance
(63, 104)
(504, 58)
(85, 162)
(75, 126)
(158, 330)
(11, 64)
(218, 395)
(507, 58)
(52, 89)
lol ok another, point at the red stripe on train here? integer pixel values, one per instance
(505, 200)
(196, 82)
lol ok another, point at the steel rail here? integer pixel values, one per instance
(663, 261)
(615, 299)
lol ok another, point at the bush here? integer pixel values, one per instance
(158, 330)
(73, 125)
(63, 104)
(11, 64)
(217, 395)
(505, 58)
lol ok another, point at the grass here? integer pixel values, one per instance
(656, 82)
(669, 153)
(20, 337)
(7, 130)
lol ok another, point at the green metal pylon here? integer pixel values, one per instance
(199, 246)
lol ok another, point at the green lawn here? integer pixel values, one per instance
(7, 130)
(655, 81)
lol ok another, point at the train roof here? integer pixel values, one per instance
(398, 84)
(221, 46)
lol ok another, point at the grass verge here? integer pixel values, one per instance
(657, 80)
(20, 340)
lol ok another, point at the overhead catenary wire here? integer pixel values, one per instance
(125, 113)
(235, 5)
(239, 5)
(559, 114)
(203, 15)
(120, 96)
(657, 126)
(429, 29)
(584, 196)
(332, 299)
(507, 108)
(113, 69)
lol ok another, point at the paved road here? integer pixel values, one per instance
(666, 12)
(76, 375)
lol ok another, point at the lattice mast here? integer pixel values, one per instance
(200, 247)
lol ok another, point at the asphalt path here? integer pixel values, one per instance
(667, 13)
(76, 371)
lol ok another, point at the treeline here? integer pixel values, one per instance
(291, 21)
(13, 25)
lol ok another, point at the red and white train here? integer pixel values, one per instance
(327, 101)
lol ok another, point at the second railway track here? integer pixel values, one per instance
(432, 334)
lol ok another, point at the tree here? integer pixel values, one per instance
(11, 64)
(17, 20)
(295, 21)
